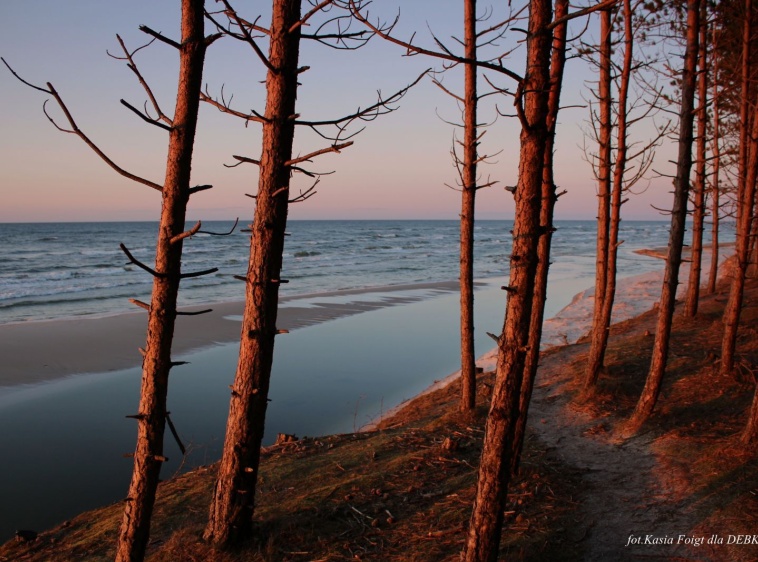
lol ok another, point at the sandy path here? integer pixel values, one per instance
(622, 497)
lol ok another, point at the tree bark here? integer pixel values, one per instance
(750, 434)
(234, 495)
(699, 203)
(470, 143)
(549, 199)
(595, 359)
(494, 470)
(148, 456)
(715, 187)
(617, 190)
(745, 204)
(654, 379)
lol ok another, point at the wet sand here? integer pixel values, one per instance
(34, 352)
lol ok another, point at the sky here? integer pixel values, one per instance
(397, 168)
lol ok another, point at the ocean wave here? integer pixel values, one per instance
(83, 270)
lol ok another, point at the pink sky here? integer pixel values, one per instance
(396, 169)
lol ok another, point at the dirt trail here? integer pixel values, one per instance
(623, 496)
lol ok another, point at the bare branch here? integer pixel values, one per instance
(194, 312)
(129, 57)
(174, 432)
(243, 160)
(134, 52)
(231, 13)
(210, 39)
(197, 188)
(583, 12)
(451, 123)
(145, 117)
(140, 304)
(307, 194)
(488, 184)
(198, 273)
(340, 38)
(385, 32)
(76, 131)
(186, 234)
(225, 107)
(438, 83)
(231, 230)
(139, 264)
(381, 107)
(159, 36)
(303, 21)
(307, 158)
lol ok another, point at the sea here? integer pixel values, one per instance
(59, 270)
(331, 377)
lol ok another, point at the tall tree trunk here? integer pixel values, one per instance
(595, 360)
(734, 304)
(745, 203)
(715, 187)
(750, 434)
(494, 470)
(654, 379)
(470, 142)
(549, 198)
(148, 456)
(698, 212)
(617, 190)
(752, 265)
(234, 495)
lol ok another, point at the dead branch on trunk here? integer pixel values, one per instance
(228, 233)
(162, 120)
(50, 90)
(385, 30)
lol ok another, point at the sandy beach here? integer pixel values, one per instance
(41, 351)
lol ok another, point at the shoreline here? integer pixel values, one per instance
(42, 351)
(635, 295)
(47, 350)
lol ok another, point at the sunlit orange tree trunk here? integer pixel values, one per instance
(692, 298)
(745, 227)
(148, 456)
(745, 202)
(604, 187)
(601, 332)
(716, 171)
(468, 200)
(549, 199)
(494, 470)
(234, 494)
(652, 387)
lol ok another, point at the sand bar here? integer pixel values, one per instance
(33, 352)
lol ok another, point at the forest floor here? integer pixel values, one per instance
(404, 490)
